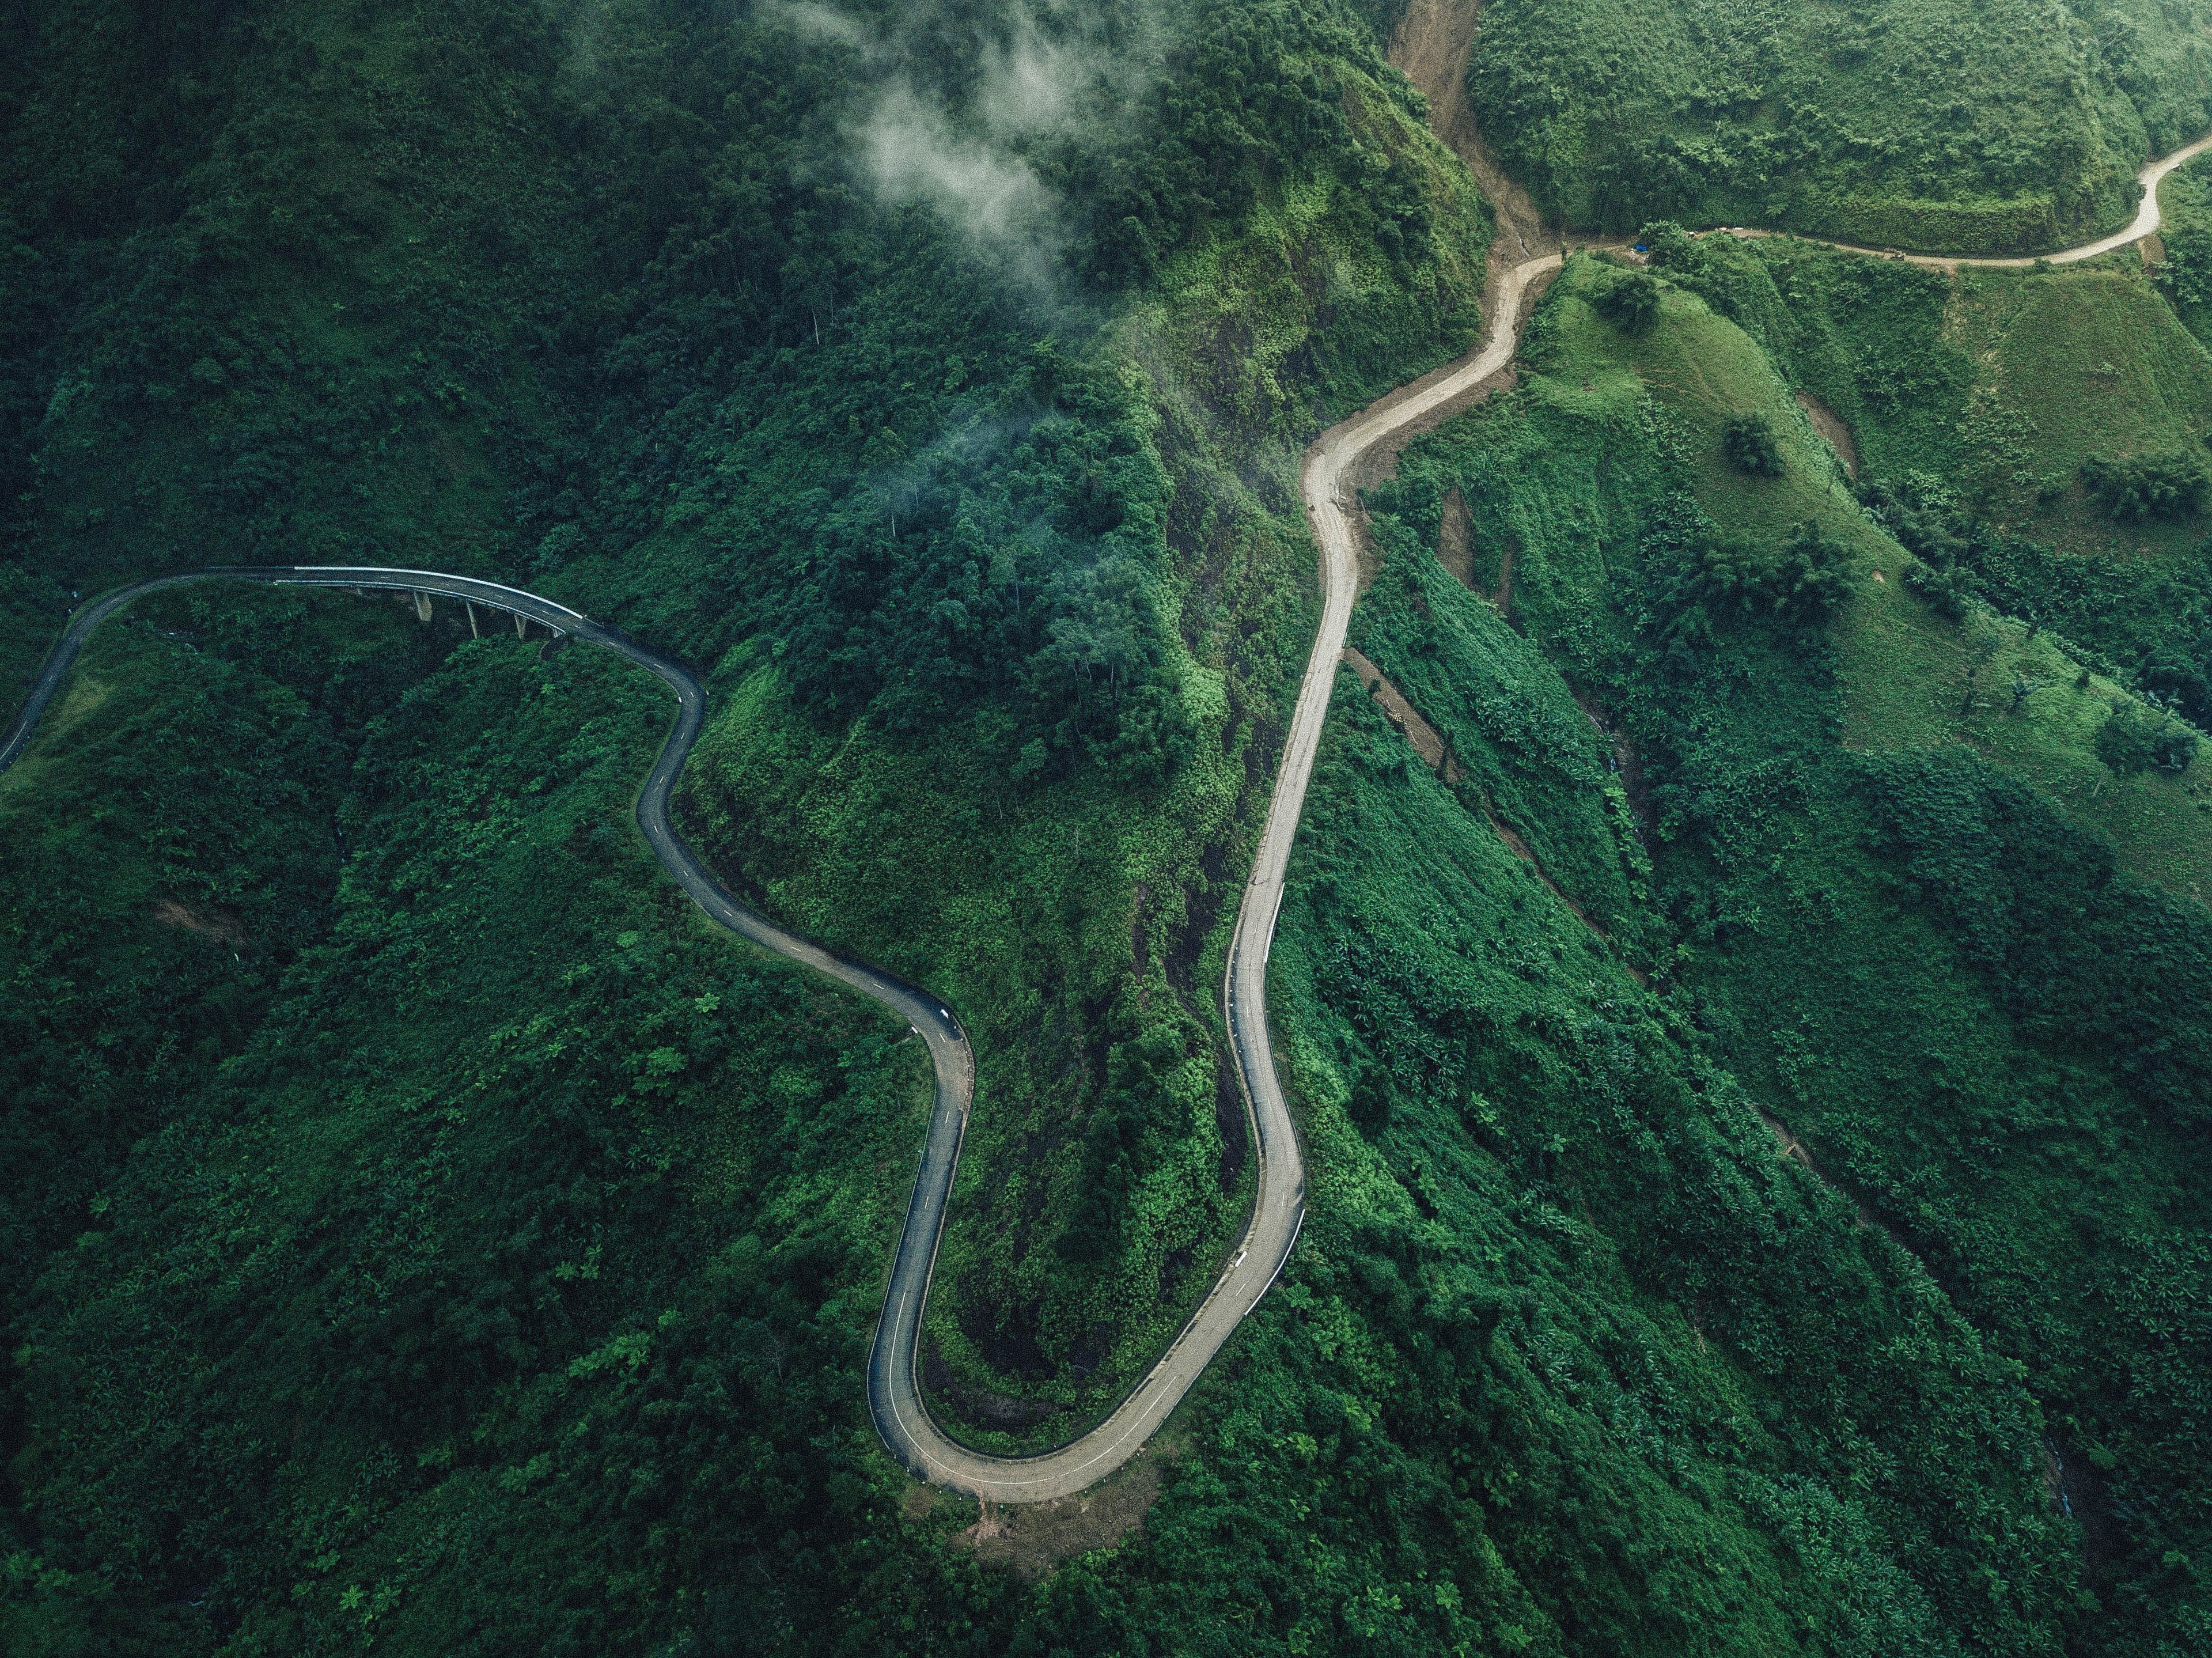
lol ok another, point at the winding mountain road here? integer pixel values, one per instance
(2145, 223)
(894, 1394)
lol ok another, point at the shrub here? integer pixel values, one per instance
(1670, 243)
(1948, 588)
(1632, 302)
(2173, 748)
(1802, 580)
(1751, 447)
(2133, 739)
(2134, 488)
(2186, 273)
(1923, 513)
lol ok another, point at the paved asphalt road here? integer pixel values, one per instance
(894, 1396)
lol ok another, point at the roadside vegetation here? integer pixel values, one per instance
(2001, 126)
(1070, 891)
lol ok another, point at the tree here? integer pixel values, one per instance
(2168, 485)
(2133, 739)
(1802, 580)
(1750, 444)
(1948, 588)
(1632, 302)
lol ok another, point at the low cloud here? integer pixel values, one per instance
(1050, 78)
(816, 21)
(911, 151)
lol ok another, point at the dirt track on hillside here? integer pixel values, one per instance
(1430, 45)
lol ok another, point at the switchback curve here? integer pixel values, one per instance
(894, 1397)
(894, 1394)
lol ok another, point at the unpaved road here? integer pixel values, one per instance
(1431, 45)
(2146, 223)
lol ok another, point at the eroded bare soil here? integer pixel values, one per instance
(1431, 45)
(219, 925)
(1030, 1539)
(1830, 425)
(1427, 742)
(1455, 539)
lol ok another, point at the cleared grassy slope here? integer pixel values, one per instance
(1980, 397)
(1890, 913)
(1909, 678)
(2072, 366)
(2001, 383)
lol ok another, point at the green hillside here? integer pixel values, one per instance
(1985, 408)
(1068, 883)
(659, 349)
(1907, 905)
(1997, 127)
(1753, 1086)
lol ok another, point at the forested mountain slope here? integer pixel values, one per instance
(719, 333)
(432, 1237)
(1997, 126)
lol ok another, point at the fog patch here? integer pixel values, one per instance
(581, 24)
(911, 151)
(1051, 78)
(816, 22)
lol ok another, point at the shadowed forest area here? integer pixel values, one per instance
(1753, 1093)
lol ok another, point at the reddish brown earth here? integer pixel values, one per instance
(1830, 425)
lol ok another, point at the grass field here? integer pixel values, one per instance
(1991, 390)
(2072, 366)
(2001, 382)
(1909, 678)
